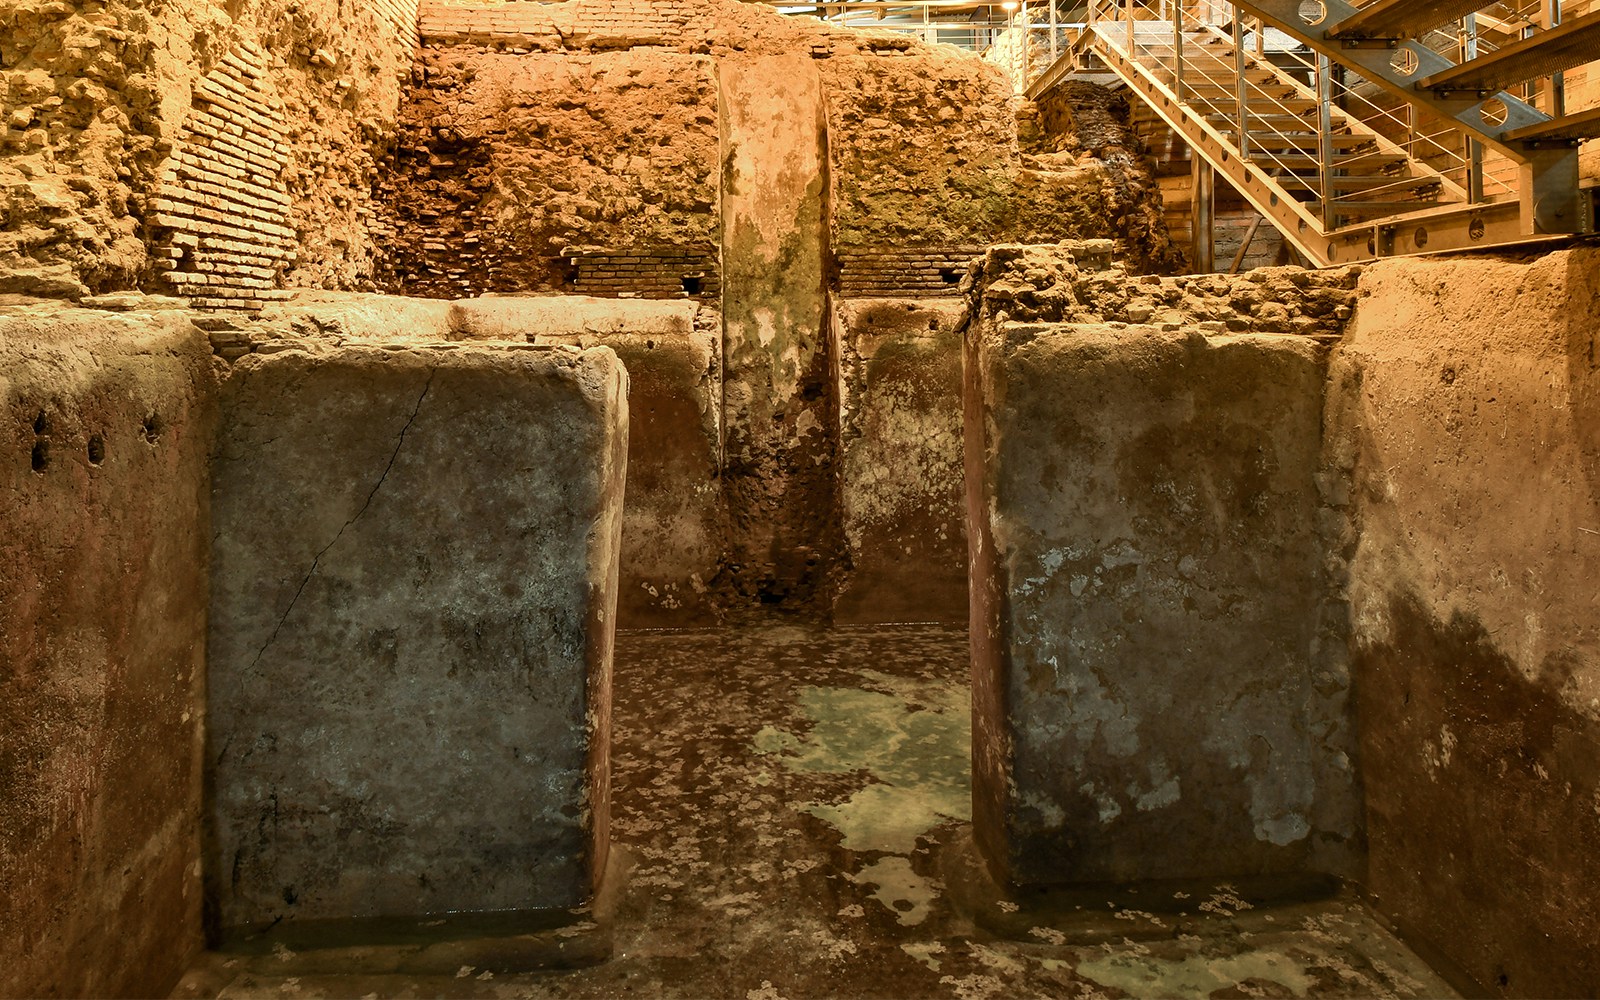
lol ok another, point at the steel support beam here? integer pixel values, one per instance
(1549, 191)
(1397, 19)
(1378, 64)
(1428, 230)
(1571, 44)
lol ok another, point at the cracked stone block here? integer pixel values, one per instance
(900, 420)
(1148, 697)
(105, 425)
(413, 601)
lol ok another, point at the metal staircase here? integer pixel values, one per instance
(1310, 109)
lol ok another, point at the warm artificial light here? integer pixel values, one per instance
(1009, 6)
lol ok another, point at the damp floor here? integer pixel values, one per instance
(790, 811)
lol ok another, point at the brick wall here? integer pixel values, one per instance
(664, 273)
(599, 24)
(221, 228)
(870, 272)
(401, 15)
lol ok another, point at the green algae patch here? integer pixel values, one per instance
(913, 740)
(1196, 975)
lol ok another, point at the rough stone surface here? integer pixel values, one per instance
(1090, 124)
(98, 97)
(925, 152)
(1147, 583)
(900, 461)
(1074, 282)
(505, 161)
(105, 422)
(413, 595)
(1466, 410)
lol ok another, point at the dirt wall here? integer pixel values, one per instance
(101, 98)
(505, 161)
(103, 536)
(1466, 410)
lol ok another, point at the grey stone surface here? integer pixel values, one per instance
(105, 423)
(1149, 702)
(900, 460)
(413, 598)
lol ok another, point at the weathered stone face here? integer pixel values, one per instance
(505, 161)
(779, 443)
(900, 462)
(413, 596)
(1148, 579)
(1466, 411)
(105, 423)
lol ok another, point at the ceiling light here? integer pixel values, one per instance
(1009, 6)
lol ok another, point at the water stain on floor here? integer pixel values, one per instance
(793, 805)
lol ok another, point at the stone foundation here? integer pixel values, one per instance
(412, 602)
(105, 422)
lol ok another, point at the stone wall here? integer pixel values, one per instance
(1088, 124)
(674, 514)
(1465, 410)
(1155, 693)
(131, 128)
(509, 162)
(900, 460)
(413, 594)
(103, 536)
(925, 154)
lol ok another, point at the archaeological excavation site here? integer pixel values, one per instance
(1083, 499)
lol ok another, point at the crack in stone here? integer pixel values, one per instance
(398, 444)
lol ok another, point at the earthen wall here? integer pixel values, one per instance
(1463, 414)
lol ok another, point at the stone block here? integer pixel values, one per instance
(900, 419)
(520, 317)
(105, 425)
(1468, 411)
(413, 594)
(1148, 584)
(673, 519)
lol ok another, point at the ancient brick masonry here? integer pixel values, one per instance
(650, 274)
(402, 16)
(222, 216)
(881, 271)
(597, 24)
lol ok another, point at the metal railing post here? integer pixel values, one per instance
(1054, 55)
(1325, 138)
(1474, 150)
(1177, 50)
(1558, 79)
(1241, 85)
(1027, 46)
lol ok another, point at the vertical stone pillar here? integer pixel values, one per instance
(779, 403)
